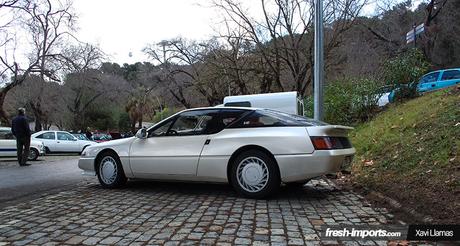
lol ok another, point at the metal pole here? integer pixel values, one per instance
(319, 61)
(415, 35)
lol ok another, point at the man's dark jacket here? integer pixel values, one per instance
(20, 127)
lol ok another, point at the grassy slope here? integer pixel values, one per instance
(411, 152)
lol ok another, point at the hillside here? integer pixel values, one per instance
(411, 153)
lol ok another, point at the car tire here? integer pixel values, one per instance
(110, 171)
(254, 174)
(33, 155)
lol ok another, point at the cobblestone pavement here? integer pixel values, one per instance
(152, 213)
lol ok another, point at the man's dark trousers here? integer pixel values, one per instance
(23, 145)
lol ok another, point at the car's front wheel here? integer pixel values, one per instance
(33, 154)
(110, 171)
(254, 174)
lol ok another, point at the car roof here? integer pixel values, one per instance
(218, 108)
(444, 70)
(44, 131)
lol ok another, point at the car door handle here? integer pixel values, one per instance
(58, 142)
(207, 141)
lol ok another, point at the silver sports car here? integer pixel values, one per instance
(254, 150)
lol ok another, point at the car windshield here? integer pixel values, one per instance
(291, 119)
(101, 137)
(81, 136)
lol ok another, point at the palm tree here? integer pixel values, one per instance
(139, 104)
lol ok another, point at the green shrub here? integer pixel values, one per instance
(161, 115)
(403, 71)
(124, 123)
(348, 101)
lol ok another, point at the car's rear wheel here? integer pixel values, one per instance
(254, 174)
(33, 154)
(110, 171)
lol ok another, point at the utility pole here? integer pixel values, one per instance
(319, 61)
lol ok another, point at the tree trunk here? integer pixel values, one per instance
(38, 123)
(133, 126)
(140, 122)
(4, 119)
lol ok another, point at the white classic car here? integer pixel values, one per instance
(61, 141)
(8, 145)
(252, 149)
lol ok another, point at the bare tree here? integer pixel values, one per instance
(47, 25)
(432, 11)
(283, 37)
(165, 54)
(12, 73)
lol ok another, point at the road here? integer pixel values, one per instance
(50, 174)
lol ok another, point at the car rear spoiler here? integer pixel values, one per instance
(329, 130)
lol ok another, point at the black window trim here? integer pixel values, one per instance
(234, 125)
(219, 110)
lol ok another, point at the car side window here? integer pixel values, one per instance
(162, 129)
(258, 119)
(6, 135)
(228, 116)
(432, 77)
(271, 118)
(64, 136)
(451, 74)
(47, 135)
(194, 122)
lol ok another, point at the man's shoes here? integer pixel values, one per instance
(25, 164)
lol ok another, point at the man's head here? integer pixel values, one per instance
(21, 111)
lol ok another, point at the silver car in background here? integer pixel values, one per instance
(8, 145)
(255, 150)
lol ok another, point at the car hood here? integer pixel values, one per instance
(86, 142)
(115, 142)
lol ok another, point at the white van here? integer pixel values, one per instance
(288, 102)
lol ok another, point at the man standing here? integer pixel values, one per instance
(21, 130)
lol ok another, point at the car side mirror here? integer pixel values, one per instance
(141, 133)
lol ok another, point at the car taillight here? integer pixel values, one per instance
(328, 143)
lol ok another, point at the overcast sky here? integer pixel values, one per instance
(120, 27)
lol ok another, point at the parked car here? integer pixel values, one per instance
(80, 136)
(8, 145)
(101, 137)
(433, 81)
(439, 79)
(61, 141)
(252, 149)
